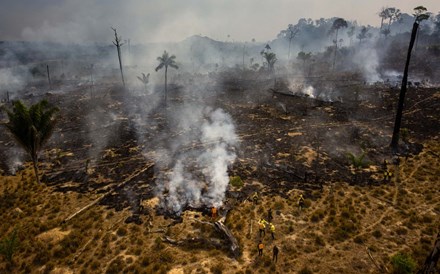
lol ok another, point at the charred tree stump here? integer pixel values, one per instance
(234, 247)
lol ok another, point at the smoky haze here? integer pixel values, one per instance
(162, 21)
(192, 141)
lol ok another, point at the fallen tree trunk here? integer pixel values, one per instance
(379, 268)
(112, 189)
(191, 242)
(234, 247)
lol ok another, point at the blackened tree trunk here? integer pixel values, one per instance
(48, 76)
(166, 87)
(396, 131)
(118, 45)
(120, 65)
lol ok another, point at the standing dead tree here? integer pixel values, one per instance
(293, 31)
(420, 15)
(118, 45)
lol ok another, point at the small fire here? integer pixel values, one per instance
(309, 91)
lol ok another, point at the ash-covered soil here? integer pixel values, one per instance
(106, 149)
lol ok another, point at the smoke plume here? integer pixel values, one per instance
(199, 177)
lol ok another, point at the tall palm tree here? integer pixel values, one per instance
(32, 127)
(166, 61)
(420, 15)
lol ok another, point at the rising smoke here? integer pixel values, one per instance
(199, 176)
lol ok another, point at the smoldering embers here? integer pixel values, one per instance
(199, 177)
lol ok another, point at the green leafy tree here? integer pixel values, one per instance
(9, 245)
(166, 61)
(32, 127)
(420, 14)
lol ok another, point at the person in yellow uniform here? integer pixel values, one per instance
(272, 230)
(262, 227)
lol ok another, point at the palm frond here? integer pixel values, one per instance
(160, 66)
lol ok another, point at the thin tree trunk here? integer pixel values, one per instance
(290, 42)
(336, 49)
(35, 165)
(395, 138)
(48, 76)
(166, 88)
(381, 26)
(120, 64)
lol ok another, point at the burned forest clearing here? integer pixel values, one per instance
(99, 208)
(315, 152)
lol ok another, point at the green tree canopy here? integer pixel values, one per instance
(32, 127)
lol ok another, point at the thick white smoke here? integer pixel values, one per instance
(218, 140)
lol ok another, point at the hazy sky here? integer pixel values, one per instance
(173, 20)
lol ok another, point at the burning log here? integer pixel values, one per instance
(110, 192)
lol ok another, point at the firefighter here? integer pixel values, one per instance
(275, 253)
(262, 227)
(260, 248)
(269, 215)
(272, 230)
(387, 176)
(301, 202)
(214, 212)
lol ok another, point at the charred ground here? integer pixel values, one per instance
(289, 144)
